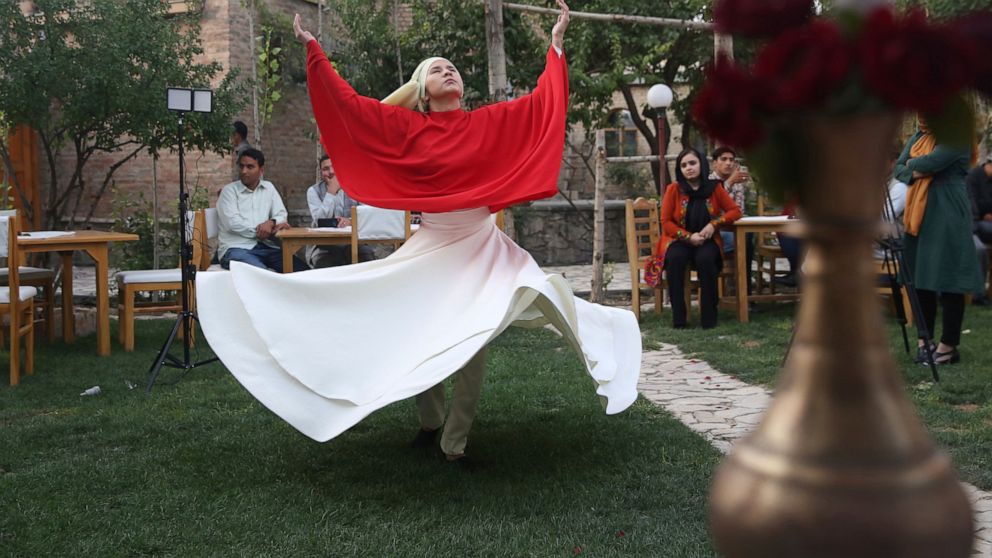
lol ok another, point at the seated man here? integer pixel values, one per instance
(328, 201)
(736, 181)
(250, 212)
(979, 183)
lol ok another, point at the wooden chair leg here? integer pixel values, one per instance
(29, 339)
(635, 291)
(49, 312)
(127, 317)
(659, 300)
(15, 345)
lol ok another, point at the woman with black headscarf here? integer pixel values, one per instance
(692, 211)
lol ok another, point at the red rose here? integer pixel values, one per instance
(724, 107)
(803, 66)
(976, 30)
(910, 63)
(760, 18)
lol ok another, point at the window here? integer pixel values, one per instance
(621, 136)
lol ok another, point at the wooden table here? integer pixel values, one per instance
(746, 225)
(97, 245)
(298, 237)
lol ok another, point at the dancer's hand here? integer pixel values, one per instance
(301, 35)
(558, 31)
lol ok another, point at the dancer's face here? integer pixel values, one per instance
(443, 81)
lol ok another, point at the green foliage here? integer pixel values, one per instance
(376, 58)
(132, 213)
(947, 8)
(90, 78)
(269, 76)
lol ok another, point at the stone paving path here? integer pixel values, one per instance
(722, 409)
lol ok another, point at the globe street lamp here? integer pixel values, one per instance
(659, 98)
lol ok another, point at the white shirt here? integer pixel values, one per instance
(240, 210)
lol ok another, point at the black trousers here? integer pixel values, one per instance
(706, 260)
(952, 316)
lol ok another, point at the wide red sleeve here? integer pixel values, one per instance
(728, 208)
(396, 158)
(669, 226)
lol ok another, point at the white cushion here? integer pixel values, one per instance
(27, 293)
(214, 267)
(26, 272)
(375, 223)
(173, 275)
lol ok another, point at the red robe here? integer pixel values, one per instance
(396, 158)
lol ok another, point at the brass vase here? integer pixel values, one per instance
(841, 465)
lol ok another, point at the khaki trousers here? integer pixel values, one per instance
(464, 400)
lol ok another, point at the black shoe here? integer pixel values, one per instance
(921, 354)
(424, 439)
(950, 357)
(981, 301)
(786, 280)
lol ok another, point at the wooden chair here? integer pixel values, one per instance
(17, 304)
(130, 283)
(643, 229)
(501, 220)
(41, 278)
(765, 252)
(374, 225)
(886, 290)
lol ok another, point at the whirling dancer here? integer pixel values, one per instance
(325, 348)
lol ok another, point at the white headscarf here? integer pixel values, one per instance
(412, 93)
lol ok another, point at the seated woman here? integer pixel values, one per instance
(692, 211)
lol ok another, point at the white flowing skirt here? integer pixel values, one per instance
(325, 348)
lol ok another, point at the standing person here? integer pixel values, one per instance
(939, 250)
(692, 212)
(737, 182)
(239, 139)
(327, 200)
(250, 213)
(463, 278)
(979, 182)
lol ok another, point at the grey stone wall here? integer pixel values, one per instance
(556, 233)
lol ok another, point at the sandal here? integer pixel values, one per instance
(950, 357)
(921, 353)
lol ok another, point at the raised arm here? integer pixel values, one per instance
(558, 31)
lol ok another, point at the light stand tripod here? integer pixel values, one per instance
(892, 248)
(182, 101)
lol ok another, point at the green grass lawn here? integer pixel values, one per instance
(200, 468)
(958, 410)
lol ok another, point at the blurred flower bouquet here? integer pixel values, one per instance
(861, 58)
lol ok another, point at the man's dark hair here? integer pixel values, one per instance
(254, 154)
(241, 129)
(323, 158)
(721, 150)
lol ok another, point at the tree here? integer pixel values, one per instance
(90, 78)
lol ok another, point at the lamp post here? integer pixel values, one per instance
(659, 98)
